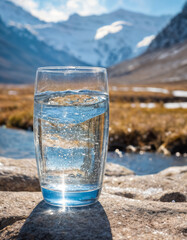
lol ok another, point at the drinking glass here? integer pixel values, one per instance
(71, 120)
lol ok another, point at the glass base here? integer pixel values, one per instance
(70, 199)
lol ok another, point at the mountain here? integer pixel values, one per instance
(174, 32)
(165, 61)
(97, 40)
(12, 14)
(109, 38)
(21, 53)
(162, 66)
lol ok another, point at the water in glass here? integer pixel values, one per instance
(71, 137)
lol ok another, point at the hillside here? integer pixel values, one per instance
(175, 32)
(162, 66)
(21, 53)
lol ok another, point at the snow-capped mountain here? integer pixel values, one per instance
(174, 32)
(12, 14)
(109, 38)
(21, 53)
(97, 40)
(165, 61)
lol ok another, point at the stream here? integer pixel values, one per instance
(19, 144)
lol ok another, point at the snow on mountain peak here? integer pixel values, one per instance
(113, 28)
(101, 40)
(12, 14)
(145, 41)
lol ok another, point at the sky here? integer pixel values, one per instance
(60, 10)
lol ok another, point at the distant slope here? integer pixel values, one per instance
(102, 40)
(162, 66)
(174, 32)
(21, 53)
(12, 14)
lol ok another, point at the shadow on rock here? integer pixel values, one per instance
(47, 222)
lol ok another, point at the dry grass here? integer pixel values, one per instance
(128, 125)
(141, 126)
(16, 106)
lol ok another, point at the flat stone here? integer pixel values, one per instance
(117, 170)
(24, 215)
(21, 175)
(173, 171)
(18, 175)
(149, 187)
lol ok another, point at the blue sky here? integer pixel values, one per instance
(58, 10)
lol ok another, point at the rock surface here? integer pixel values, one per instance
(24, 216)
(117, 170)
(149, 187)
(175, 32)
(18, 175)
(21, 175)
(130, 207)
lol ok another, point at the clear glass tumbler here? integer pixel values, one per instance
(71, 120)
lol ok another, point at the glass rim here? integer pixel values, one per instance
(74, 69)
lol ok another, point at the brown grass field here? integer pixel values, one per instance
(144, 128)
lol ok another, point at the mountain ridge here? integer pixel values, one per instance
(175, 32)
(9, 10)
(165, 60)
(119, 33)
(21, 53)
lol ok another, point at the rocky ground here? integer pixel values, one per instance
(130, 206)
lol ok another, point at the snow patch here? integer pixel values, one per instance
(31, 29)
(171, 53)
(144, 105)
(15, 24)
(150, 89)
(176, 105)
(142, 89)
(147, 105)
(145, 41)
(164, 55)
(180, 93)
(125, 89)
(113, 28)
(11, 92)
(172, 105)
